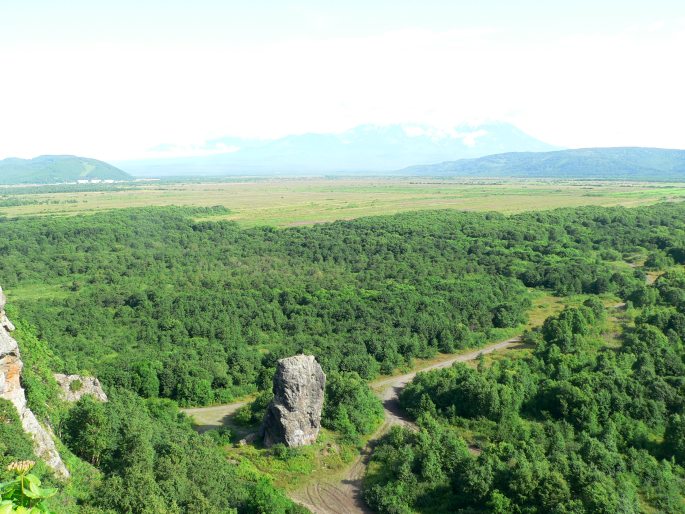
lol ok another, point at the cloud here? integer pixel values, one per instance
(118, 102)
(168, 150)
(470, 139)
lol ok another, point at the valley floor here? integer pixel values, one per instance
(290, 202)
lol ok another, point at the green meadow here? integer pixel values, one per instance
(288, 202)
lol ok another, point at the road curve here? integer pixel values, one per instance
(343, 494)
(214, 416)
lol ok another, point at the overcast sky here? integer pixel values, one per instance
(112, 79)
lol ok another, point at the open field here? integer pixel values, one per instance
(287, 202)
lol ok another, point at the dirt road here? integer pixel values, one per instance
(207, 418)
(342, 494)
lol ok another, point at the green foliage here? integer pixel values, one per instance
(24, 494)
(17, 446)
(152, 301)
(350, 407)
(75, 385)
(658, 260)
(363, 296)
(570, 429)
(674, 438)
(253, 413)
(42, 391)
(14, 443)
(166, 310)
(89, 431)
(153, 461)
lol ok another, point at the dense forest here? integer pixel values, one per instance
(168, 310)
(118, 294)
(577, 427)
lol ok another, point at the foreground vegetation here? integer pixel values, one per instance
(167, 309)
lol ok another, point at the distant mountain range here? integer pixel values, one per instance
(365, 149)
(632, 163)
(51, 169)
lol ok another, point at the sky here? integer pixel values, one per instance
(121, 79)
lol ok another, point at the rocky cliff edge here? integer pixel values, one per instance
(11, 366)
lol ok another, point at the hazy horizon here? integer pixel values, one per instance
(122, 81)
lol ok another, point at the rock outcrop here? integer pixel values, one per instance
(294, 415)
(10, 389)
(75, 387)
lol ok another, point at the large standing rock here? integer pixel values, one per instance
(294, 415)
(10, 389)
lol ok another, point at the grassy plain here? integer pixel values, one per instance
(288, 202)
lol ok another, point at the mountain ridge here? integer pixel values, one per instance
(635, 163)
(51, 169)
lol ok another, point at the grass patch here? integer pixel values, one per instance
(291, 468)
(288, 202)
(33, 292)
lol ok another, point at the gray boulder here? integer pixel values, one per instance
(75, 387)
(294, 416)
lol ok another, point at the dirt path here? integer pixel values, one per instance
(207, 418)
(342, 494)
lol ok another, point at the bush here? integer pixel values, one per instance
(350, 406)
(24, 494)
(254, 412)
(14, 443)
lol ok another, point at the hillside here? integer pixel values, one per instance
(49, 169)
(584, 163)
(363, 149)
